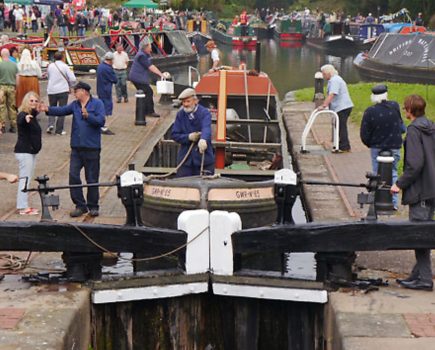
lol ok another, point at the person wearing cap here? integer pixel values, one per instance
(193, 124)
(214, 55)
(88, 119)
(140, 72)
(60, 78)
(381, 130)
(106, 77)
(338, 100)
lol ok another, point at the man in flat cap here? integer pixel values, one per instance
(381, 130)
(140, 75)
(193, 125)
(106, 77)
(88, 119)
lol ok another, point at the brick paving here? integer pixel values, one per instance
(421, 325)
(10, 316)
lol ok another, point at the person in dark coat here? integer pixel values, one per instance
(193, 125)
(88, 118)
(418, 184)
(106, 77)
(27, 147)
(381, 130)
(140, 72)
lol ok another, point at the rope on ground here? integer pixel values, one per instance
(115, 255)
(13, 262)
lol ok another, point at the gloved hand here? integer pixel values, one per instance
(194, 136)
(202, 145)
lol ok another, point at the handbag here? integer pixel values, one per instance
(165, 87)
(65, 77)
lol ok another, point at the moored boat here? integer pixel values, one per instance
(233, 36)
(250, 144)
(287, 29)
(401, 58)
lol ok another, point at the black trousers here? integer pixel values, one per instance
(149, 102)
(343, 116)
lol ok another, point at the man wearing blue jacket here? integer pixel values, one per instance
(106, 77)
(88, 119)
(193, 125)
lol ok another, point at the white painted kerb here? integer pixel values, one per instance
(272, 293)
(146, 293)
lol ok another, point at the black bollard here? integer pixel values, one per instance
(258, 57)
(383, 196)
(319, 96)
(130, 190)
(140, 108)
(285, 194)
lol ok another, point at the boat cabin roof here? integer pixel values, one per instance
(258, 85)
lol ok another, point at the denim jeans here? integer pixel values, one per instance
(63, 30)
(90, 160)
(57, 100)
(26, 164)
(422, 211)
(374, 152)
(121, 85)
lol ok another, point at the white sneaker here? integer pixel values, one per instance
(61, 133)
(50, 129)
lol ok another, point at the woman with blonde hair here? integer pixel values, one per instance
(27, 147)
(28, 74)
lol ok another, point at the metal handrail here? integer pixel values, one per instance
(310, 123)
(190, 74)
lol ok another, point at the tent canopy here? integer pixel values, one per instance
(140, 4)
(20, 2)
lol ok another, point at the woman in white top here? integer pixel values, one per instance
(28, 74)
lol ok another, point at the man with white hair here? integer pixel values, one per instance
(8, 76)
(338, 100)
(381, 130)
(140, 75)
(193, 125)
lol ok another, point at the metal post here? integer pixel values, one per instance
(383, 196)
(319, 96)
(46, 199)
(285, 193)
(140, 108)
(258, 57)
(130, 190)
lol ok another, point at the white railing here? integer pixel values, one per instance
(312, 119)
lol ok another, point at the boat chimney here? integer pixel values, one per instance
(258, 56)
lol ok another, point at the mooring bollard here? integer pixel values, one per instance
(285, 193)
(383, 196)
(319, 96)
(140, 108)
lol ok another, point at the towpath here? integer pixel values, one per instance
(392, 317)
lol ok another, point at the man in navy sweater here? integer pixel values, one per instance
(106, 77)
(381, 130)
(193, 125)
(88, 119)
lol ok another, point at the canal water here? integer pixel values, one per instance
(290, 68)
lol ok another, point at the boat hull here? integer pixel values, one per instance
(288, 36)
(165, 200)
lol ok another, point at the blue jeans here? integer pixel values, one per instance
(63, 30)
(121, 85)
(90, 160)
(374, 152)
(26, 164)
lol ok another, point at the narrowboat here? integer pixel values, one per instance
(250, 144)
(287, 29)
(234, 36)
